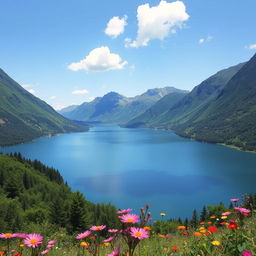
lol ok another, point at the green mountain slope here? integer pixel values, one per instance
(187, 108)
(24, 117)
(114, 108)
(231, 117)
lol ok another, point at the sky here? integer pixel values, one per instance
(68, 52)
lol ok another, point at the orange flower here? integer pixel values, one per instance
(147, 228)
(209, 222)
(201, 223)
(181, 227)
(92, 237)
(197, 234)
(2, 253)
(213, 217)
(161, 236)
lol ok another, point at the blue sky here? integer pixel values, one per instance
(61, 51)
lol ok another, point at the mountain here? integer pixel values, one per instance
(222, 109)
(231, 117)
(114, 108)
(169, 111)
(24, 117)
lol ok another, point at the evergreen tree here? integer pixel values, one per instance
(79, 216)
(12, 187)
(186, 223)
(194, 220)
(58, 213)
(204, 214)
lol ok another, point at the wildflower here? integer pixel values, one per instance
(20, 235)
(130, 218)
(109, 239)
(212, 229)
(115, 252)
(197, 234)
(162, 214)
(147, 228)
(226, 213)
(161, 236)
(201, 223)
(167, 237)
(33, 240)
(124, 211)
(246, 253)
(17, 254)
(7, 235)
(113, 230)
(232, 226)
(52, 242)
(181, 227)
(216, 243)
(213, 217)
(106, 244)
(97, 228)
(242, 210)
(138, 233)
(175, 248)
(92, 237)
(224, 217)
(21, 245)
(185, 233)
(2, 252)
(209, 222)
(234, 199)
(84, 244)
(45, 252)
(83, 235)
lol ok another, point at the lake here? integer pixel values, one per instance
(132, 167)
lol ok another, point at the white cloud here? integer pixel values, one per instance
(98, 60)
(32, 91)
(252, 47)
(80, 92)
(204, 40)
(115, 26)
(158, 22)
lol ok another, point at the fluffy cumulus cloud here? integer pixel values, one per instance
(32, 91)
(98, 60)
(158, 22)
(252, 47)
(80, 92)
(115, 26)
(205, 40)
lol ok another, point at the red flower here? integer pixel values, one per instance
(185, 233)
(212, 229)
(232, 226)
(175, 248)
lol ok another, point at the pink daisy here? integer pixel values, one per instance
(33, 240)
(97, 228)
(83, 235)
(234, 199)
(7, 235)
(113, 230)
(115, 252)
(130, 218)
(20, 235)
(52, 242)
(242, 210)
(108, 239)
(139, 233)
(124, 211)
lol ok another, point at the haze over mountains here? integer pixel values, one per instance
(114, 108)
(24, 117)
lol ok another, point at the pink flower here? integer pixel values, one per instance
(234, 199)
(115, 252)
(246, 253)
(124, 211)
(113, 230)
(242, 210)
(33, 240)
(7, 235)
(226, 213)
(45, 252)
(97, 228)
(83, 235)
(130, 218)
(52, 242)
(139, 233)
(20, 235)
(108, 239)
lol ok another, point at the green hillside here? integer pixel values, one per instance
(24, 117)
(231, 117)
(33, 196)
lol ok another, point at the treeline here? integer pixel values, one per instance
(34, 195)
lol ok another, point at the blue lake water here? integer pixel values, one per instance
(132, 167)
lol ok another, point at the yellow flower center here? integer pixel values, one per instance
(130, 220)
(98, 227)
(138, 234)
(33, 241)
(8, 234)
